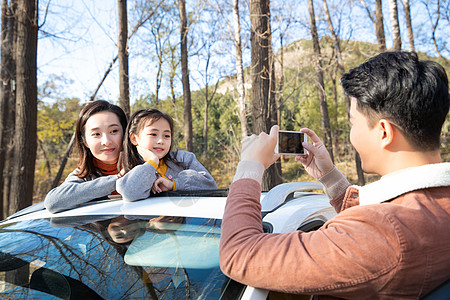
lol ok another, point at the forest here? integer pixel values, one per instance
(222, 69)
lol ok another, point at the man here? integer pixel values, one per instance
(390, 239)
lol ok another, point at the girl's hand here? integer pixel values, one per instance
(162, 185)
(147, 154)
(317, 161)
(261, 147)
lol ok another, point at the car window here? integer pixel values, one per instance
(113, 257)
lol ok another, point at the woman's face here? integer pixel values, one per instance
(156, 137)
(122, 230)
(103, 136)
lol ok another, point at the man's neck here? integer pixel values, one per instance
(400, 160)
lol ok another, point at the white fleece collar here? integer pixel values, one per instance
(395, 184)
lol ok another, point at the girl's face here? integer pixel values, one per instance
(156, 137)
(103, 136)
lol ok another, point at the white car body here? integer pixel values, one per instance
(286, 208)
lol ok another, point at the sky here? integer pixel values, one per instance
(90, 33)
(85, 52)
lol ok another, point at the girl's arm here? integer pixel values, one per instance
(195, 177)
(137, 184)
(74, 191)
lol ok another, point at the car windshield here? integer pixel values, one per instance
(112, 257)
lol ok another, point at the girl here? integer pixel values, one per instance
(148, 163)
(99, 136)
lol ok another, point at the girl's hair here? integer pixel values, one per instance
(86, 166)
(141, 118)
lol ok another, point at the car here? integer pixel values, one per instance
(163, 247)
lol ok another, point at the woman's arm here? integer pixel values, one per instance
(74, 191)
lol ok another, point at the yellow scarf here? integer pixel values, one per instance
(162, 169)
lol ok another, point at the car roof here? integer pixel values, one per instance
(201, 207)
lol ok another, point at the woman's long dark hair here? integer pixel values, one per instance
(141, 118)
(86, 166)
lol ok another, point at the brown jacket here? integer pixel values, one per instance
(393, 250)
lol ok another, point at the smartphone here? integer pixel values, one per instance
(290, 143)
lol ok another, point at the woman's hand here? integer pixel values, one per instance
(147, 155)
(162, 185)
(261, 147)
(317, 161)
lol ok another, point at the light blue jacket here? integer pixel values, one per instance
(190, 175)
(75, 191)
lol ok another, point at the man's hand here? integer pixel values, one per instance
(261, 147)
(162, 185)
(317, 161)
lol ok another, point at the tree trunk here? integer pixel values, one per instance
(205, 124)
(378, 23)
(188, 136)
(25, 137)
(341, 70)
(361, 179)
(124, 86)
(409, 24)
(333, 78)
(159, 72)
(172, 74)
(279, 96)
(4, 91)
(7, 74)
(320, 82)
(259, 64)
(434, 25)
(205, 118)
(395, 26)
(242, 107)
(273, 176)
(379, 27)
(157, 36)
(338, 60)
(339, 67)
(63, 163)
(44, 154)
(9, 162)
(262, 76)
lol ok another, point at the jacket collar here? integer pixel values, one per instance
(398, 183)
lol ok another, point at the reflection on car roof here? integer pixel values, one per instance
(201, 203)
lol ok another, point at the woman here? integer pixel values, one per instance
(99, 135)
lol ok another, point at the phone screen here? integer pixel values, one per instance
(290, 142)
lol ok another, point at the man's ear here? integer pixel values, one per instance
(387, 132)
(133, 139)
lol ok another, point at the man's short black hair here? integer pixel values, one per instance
(411, 94)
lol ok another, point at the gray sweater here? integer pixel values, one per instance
(74, 191)
(137, 184)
